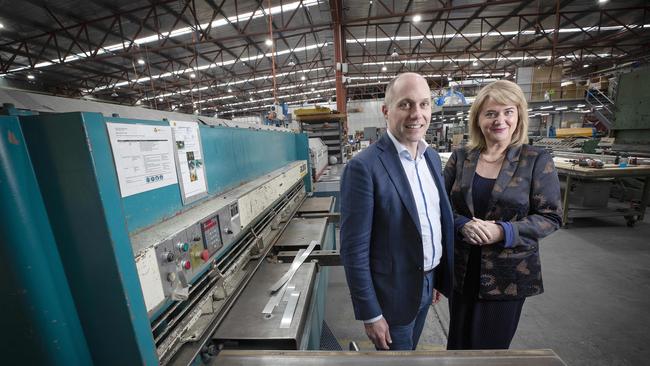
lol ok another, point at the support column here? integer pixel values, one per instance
(336, 10)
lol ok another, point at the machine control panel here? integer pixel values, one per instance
(212, 234)
(173, 254)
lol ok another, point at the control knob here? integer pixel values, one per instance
(169, 256)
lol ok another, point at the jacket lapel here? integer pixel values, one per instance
(390, 159)
(506, 173)
(469, 169)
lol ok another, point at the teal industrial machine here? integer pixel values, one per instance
(156, 242)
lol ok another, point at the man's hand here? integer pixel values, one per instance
(436, 297)
(378, 333)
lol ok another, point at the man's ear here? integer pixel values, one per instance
(384, 110)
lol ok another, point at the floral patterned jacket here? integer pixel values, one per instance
(527, 194)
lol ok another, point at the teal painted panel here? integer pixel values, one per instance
(79, 187)
(147, 208)
(234, 156)
(40, 323)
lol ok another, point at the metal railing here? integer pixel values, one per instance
(602, 107)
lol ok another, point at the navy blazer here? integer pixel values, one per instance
(381, 244)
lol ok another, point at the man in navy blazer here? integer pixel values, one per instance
(397, 223)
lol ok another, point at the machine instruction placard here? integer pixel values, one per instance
(189, 160)
(143, 155)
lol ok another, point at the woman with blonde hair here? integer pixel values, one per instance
(506, 196)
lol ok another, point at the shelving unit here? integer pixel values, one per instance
(327, 127)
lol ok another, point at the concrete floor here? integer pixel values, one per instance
(595, 311)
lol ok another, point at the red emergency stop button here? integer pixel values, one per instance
(205, 255)
(186, 264)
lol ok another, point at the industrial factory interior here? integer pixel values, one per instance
(238, 182)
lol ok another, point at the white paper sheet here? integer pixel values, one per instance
(150, 280)
(189, 157)
(143, 155)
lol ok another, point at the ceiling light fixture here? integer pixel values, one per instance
(114, 94)
(2, 25)
(160, 99)
(384, 68)
(417, 18)
(229, 90)
(268, 42)
(585, 66)
(475, 63)
(31, 77)
(303, 78)
(192, 75)
(140, 61)
(394, 54)
(292, 62)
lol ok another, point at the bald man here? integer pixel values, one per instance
(396, 222)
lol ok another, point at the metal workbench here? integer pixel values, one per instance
(573, 171)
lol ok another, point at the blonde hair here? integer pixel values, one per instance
(502, 92)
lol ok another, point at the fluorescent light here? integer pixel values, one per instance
(546, 107)
(229, 90)
(580, 106)
(585, 66)
(417, 18)
(565, 83)
(303, 78)
(268, 42)
(313, 89)
(160, 99)
(192, 75)
(31, 77)
(384, 68)
(563, 108)
(140, 61)
(475, 63)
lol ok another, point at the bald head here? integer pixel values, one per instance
(407, 109)
(405, 80)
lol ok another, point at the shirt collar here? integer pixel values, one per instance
(403, 151)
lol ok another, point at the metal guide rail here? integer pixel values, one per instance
(183, 327)
(544, 357)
